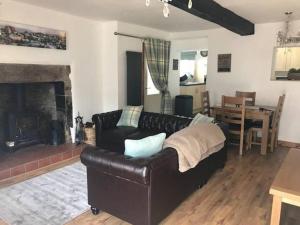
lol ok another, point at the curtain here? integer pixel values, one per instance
(158, 58)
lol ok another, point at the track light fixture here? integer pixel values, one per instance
(166, 10)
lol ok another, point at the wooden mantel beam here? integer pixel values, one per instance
(214, 12)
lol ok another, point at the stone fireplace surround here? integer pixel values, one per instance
(30, 74)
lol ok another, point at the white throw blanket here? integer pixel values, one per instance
(195, 143)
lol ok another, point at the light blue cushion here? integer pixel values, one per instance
(145, 147)
(199, 118)
(130, 116)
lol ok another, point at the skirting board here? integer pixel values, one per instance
(288, 144)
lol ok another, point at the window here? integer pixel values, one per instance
(151, 89)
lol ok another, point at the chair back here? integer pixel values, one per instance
(205, 103)
(277, 114)
(233, 113)
(233, 110)
(250, 97)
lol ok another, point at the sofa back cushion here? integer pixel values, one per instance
(163, 123)
(130, 116)
(200, 118)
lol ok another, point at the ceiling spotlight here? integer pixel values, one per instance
(166, 10)
(190, 5)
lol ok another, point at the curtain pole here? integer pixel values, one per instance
(128, 35)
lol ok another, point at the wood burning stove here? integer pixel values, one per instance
(36, 105)
(30, 121)
(25, 126)
(22, 130)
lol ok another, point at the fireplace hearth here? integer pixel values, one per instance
(37, 105)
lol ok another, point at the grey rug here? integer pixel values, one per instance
(50, 199)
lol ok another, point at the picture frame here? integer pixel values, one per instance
(224, 63)
(175, 64)
(18, 34)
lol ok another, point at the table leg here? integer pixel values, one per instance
(276, 210)
(265, 135)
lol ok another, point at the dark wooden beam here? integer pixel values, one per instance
(214, 12)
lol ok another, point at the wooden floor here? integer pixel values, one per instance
(237, 195)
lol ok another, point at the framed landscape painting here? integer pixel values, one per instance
(31, 36)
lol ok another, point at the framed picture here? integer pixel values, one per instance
(31, 36)
(175, 64)
(224, 63)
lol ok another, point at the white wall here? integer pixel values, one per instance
(132, 44)
(109, 66)
(251, 71)
(113, 51)
(98, 62)
(82, 51)
(97, 57)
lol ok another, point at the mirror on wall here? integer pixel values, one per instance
(286, 63)
(193, 66)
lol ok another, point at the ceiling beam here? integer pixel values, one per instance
(214, 12)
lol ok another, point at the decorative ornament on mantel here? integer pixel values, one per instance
(166, 10)
(284, 38)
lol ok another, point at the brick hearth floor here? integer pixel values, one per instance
(35, 157)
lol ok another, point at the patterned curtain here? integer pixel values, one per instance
(158, 57)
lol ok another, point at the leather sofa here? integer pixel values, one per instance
(141, 191)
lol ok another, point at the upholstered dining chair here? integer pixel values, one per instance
(250, 97)
(233, 113)
(273, 129)
(205, 103)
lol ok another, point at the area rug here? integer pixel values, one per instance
(50, 199)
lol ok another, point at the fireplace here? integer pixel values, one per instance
(37, 105)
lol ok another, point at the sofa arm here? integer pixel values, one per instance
(105, 121)
(133, 169)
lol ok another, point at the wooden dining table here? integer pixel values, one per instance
(257, 113)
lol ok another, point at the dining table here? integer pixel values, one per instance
(256, 113)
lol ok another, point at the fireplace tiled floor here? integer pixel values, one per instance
(35, 157)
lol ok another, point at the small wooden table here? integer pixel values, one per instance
(286, 186)
(255, 113)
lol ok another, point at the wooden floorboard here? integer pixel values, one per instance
(236, 195)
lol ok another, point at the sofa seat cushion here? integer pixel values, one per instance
(118, 133)
(114, 139)
(142, 133)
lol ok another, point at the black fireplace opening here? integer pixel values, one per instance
(32, 113)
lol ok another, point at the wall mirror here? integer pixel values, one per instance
(193, 66)
(286, 63)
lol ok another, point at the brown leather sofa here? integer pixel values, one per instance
(141, 191)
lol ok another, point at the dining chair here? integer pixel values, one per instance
(250, 97)
(205, 103)
(233, 113)
(273, 129)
